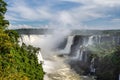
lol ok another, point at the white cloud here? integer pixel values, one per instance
(27, 12)
(11, 18)
(19, 26)
(90, 10)
(97, 2)
(65, 18)
(110, 3)
(116, 20)
(72, 0)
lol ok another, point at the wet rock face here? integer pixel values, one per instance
(102, 67)
(77, 41)
(85, 41)
(62, 45)
(81, 66)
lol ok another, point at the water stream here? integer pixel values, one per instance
(56, 68)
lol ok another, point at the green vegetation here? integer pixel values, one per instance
(107, 61)
(16, 62)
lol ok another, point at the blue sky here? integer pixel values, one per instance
(75, 14)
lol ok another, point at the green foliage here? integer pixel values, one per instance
(16, 62)
(108, 65)
(102, 49)
(3, 23)
(116, 57)
(5, 43)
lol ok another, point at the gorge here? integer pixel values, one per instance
(69, 50)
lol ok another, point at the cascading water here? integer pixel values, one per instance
(56, 68)
(80, 43)
(81, 59)
(90, 41)
(80, 52)
(59, 70)
(67, 50)
(81, 55)
(92, 68)
(40, 58)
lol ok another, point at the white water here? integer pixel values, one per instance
(81, 49)
(90, 40)
(68, 45)
(81, 55)
(55, 67)
(119, 76)
(40, 58)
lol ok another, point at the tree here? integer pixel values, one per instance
(3, 23)
(108, 65)
(16, 62)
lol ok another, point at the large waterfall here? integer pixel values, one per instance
(62, 54)
(80, 43)
(56, 68)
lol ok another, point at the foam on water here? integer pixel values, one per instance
(58, 69)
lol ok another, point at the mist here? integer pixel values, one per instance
(47, 42)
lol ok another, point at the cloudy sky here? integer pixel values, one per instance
(80, 14)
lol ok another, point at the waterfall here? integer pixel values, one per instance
(24, 39)
(30, 39)
(119, 76)
(99, 39)
(92, 68)
(77, 42)
(81, 55)
(67, 50)
(40, 58)
(85, 41)
(56, 67)
(90, 40)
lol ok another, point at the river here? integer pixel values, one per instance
(56, 68)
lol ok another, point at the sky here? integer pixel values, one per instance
(72, 14)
